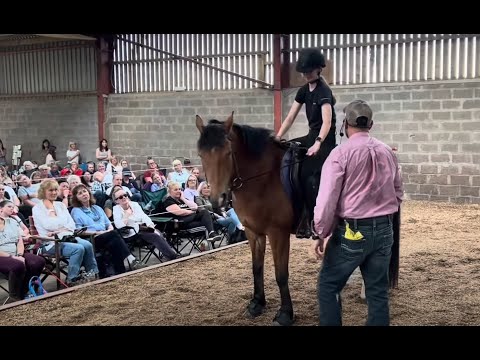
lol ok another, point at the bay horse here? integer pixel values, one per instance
(246, 161)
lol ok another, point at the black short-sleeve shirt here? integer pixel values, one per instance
(313, 101)
(171, 201)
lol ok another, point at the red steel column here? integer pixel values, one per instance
(103, 82)
(277, 83)
(281, 76)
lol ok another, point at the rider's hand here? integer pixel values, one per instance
(313, 150)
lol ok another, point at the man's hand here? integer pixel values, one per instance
(320, 245)
(313, 150)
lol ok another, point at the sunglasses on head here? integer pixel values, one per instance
(121, 197)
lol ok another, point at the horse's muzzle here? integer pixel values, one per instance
(220, 202)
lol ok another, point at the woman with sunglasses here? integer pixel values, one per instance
(129, 213)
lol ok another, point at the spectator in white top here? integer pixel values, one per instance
(73, 154)
(113, 166)
(107, 177)
(129, 213)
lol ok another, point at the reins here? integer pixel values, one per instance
(238, 182)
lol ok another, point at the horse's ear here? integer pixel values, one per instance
(228, 123)
(199, 123)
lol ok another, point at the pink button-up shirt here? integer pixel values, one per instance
(360, 179)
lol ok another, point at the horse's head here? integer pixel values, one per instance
(215, 151)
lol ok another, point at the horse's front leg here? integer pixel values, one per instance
(257, 246)
(280, 244)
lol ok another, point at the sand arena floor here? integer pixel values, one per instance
(439, 283)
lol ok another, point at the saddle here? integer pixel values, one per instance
(290, 177)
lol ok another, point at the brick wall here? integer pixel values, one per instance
(436, 127)
(163, 124)
(27, 121)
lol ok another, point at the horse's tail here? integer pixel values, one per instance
(394, 266)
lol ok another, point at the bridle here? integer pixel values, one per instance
(237, 181)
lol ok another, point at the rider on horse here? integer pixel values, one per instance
(320, 140)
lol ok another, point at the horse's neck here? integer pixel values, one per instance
(258, 173)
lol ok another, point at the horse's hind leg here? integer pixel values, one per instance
(257, 245)
(280, 243)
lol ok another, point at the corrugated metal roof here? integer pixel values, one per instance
(9, 40)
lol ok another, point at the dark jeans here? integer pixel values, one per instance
(372, 255)
(113, 242)
(19, 274)
(311, 169)
(201, 218)
(159, 242)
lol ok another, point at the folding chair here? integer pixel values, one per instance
(175, 231)
(55, 264)
(137, 241)
(155, 198)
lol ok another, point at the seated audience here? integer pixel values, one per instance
(51, 219)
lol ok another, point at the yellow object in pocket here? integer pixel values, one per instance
(350, 235)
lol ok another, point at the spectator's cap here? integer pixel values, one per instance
(358, 114)
(44, 167)
(186, 161)
(309, 59)
(126, 172)
(27, 163)
(176, 162)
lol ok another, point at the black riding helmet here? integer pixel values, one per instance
(309, 59)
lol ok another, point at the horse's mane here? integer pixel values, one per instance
(255, 139)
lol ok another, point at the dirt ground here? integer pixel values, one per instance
(439, 284)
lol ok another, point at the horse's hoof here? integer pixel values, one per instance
(255, 308)
(284, 318)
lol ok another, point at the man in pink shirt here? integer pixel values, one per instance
(360, 189)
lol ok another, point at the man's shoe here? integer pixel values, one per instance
(213, 236)
(135, 265)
